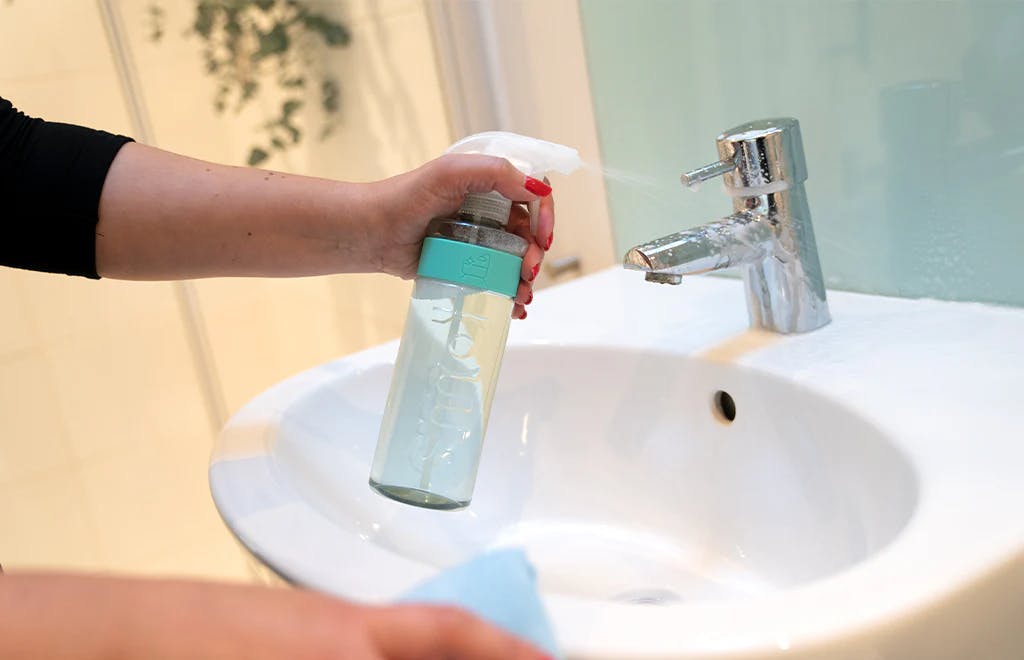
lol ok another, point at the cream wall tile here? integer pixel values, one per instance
(127, 386)
(262, 331)
(46, 524)
(394, 117)
(16, 331)
(206, 549)
(375, 304)
(303, 322)
(56, 36)
(357, 11)
(240, 331)
(55, 63)
(149, 497)
(87, 98)
(33, 437)
(60, 306)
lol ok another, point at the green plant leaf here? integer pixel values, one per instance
(330, 96)
(205, 16)
(289, 107)
(257, 156)
(274, 42)
(335, 34)
(232, 26)
(293, 131)
(249, 89)
(156, 17)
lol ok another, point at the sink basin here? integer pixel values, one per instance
(623, 486)
(685, 488)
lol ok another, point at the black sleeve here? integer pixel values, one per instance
(51, 177)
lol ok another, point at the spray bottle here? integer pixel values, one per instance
(433, 428)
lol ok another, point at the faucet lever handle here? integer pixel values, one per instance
(694, 178)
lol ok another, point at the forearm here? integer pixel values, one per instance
(41, 617)
(164, 216)
(85, 618)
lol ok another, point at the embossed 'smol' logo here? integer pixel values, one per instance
(476, 267)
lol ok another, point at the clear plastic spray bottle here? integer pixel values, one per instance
(448, 360)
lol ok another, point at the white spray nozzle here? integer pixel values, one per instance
(531, 156)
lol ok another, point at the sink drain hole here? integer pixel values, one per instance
(725, 406)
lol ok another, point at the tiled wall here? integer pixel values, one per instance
(910, 113)
(104, 434)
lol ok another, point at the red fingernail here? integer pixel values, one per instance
(551, 239)
(533, 273)
(523, 316)
(537, 187)
(530, 299)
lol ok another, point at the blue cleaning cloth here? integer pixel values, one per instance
(499, 586)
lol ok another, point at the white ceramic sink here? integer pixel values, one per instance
(864, 502)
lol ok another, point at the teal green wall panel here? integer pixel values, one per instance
(912, 116)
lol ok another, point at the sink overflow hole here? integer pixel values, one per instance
(725, 406)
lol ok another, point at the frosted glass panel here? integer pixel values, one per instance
(912, 116)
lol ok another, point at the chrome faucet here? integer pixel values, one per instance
(769, 234)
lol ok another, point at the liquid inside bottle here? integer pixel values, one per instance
(436, 415)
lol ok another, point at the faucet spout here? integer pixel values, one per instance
(737, 240)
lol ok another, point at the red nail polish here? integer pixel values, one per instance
(533, 273)
(523, 316)
(537, 187)
(530, 299)
(551, 239)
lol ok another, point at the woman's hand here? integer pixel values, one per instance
(407, 203)
(81, 618)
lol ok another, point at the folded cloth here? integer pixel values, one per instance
(499, 586)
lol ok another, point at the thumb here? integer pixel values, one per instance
(455, 175)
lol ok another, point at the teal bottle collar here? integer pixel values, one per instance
(472, 265)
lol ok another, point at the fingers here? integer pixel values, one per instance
(519, 224)
(463, 173)
(524, 294)
(546, 222)
(531, 263)
(412, 632)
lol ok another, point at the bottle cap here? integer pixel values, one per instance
(487, 206)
